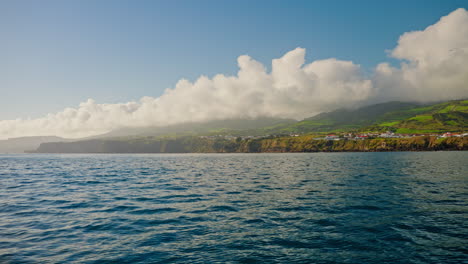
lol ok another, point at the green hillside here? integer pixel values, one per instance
(345, 120)
(395, 116)
(272, 135)
(448, 116)
(232, 127)
(399, 117)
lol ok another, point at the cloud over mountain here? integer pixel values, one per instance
(434, 67)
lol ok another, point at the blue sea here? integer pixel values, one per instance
(400, 207)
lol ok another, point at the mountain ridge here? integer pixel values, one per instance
(398, 117)
(394, 116)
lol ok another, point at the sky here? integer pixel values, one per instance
(55, 55)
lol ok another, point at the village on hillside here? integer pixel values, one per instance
(388, 134)
(344, 136)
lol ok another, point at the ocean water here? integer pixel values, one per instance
(407, 207)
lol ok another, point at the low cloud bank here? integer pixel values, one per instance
(434, 66)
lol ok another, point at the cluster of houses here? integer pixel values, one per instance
(346, 136)
(450, 134)
(387, 134)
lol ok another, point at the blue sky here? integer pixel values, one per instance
(56, 54)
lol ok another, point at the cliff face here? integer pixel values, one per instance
(183, 145)
(283, 144)
(368, 145)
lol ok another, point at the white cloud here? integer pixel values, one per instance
(434, 67)
(291, 90)
(435, 63)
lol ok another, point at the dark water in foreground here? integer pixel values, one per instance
(235, 208)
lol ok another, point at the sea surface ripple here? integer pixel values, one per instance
(408, 207)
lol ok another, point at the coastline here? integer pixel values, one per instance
(262, 145)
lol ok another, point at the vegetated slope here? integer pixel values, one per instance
(232, 126)
(395, 116)
(442, 117)
(401, 117)
(345, 120)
